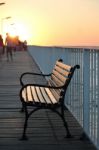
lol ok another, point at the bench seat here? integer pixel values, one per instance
(39, 95)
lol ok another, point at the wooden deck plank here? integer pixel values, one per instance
(45, 129)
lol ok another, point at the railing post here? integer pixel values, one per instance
(86, 90)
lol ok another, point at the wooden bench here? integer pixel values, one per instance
(50, 96)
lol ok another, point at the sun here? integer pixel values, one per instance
(22, 31)
(18, 29)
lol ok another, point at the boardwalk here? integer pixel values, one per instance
(45, 129)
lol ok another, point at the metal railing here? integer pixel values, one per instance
(82, 97)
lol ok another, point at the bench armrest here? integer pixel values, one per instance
(31, 73)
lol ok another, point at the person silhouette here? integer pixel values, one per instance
(1, 47)
(9, 47)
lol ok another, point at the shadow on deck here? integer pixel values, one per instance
(45, 130)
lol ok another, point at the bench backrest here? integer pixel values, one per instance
(61, 76)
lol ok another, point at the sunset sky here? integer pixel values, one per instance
(52, 22)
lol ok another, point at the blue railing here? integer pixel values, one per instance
(82, 97)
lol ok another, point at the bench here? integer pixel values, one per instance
(50, 96)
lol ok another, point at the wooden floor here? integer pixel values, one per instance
(45, 130)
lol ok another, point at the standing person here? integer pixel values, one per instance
(9, 46)
(1, 47)
(25, 45)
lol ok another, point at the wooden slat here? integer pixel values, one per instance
(52, 83)
(55, 94)
(34, 94)
(29, 95)
(59, 76)
(40, 96)
(63, 72)
(58, 82)
(45, 95)
(62, 65)
(52, 98)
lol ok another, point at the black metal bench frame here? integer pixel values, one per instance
(54, 85)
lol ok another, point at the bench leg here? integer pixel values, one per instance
(27, 115)
(66, 127)
(24, 137)
(65, 124)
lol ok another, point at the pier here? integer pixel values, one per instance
(45, 130)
